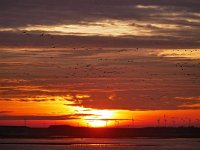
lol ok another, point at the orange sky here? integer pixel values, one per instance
(100, 88)
(101, 63)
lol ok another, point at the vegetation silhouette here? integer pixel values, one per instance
(86, 132)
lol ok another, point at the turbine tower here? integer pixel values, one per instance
(133, 122)
(165, 120)
(158, 121)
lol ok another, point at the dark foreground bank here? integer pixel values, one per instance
(83, 132)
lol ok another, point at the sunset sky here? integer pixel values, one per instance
(100, 63)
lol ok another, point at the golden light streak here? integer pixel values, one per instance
(81, 96)
(102, 28)
(27, 106)
(147, 7)
(180, 53)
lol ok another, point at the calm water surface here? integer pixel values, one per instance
(99, 144)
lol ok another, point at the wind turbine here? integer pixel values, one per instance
(198, 125)
(165, 120)
(158, 121)
(25, 122)
(106, 123)
(133, 122)
(189, 122)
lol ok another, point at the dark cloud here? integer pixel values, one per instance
(27, 12)
(5, 112)
(61, 117)
(19, 40)
(140, 101)
(182, 14)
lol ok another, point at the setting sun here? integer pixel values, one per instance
(98, 118)
(102, 114)
(96, 123)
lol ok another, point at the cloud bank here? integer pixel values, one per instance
(141, 23)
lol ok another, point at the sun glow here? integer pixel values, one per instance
(95, 118)
(102, 114)
(99, 119)
(97, 123)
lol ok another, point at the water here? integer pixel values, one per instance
(99, 144)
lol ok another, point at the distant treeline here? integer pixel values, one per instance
(83, 132)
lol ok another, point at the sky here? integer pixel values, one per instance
(100, 63)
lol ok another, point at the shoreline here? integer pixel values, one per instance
(54, 132)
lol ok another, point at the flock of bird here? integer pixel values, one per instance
(100, 68)
(107, 67)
